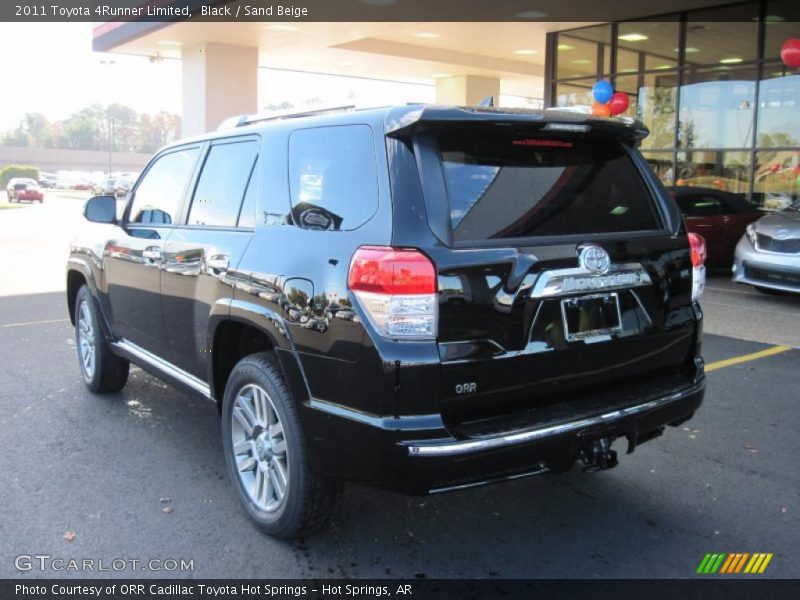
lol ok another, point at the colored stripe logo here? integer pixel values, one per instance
(736, 562)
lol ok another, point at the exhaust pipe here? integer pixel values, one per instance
(598, 455)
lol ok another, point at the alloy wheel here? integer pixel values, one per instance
(259, 448)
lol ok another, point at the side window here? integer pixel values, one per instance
(333, 177)
(220, 189)
(159, 194)
(700, 205)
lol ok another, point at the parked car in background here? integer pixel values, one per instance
(82, 185)
(768, 255)
(47, 180)
(122, 187)
(22, 189)
(106, 187)
(720, 217)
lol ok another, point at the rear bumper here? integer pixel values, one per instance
(418, 455)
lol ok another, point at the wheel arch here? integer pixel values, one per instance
(243, 329)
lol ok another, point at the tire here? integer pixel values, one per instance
(103, 371)
(270, 442)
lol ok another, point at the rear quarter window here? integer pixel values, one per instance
(333, 177)
(518, 186)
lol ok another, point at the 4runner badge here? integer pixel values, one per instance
(594, 259)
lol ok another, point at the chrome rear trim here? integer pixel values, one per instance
(452, 448)
(164, 366)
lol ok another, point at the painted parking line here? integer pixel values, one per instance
(25, 324)
(736, 360)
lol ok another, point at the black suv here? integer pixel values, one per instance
(420, 298)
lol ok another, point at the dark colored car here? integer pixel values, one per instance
(21, 189)
(418, 298)
(720, 217)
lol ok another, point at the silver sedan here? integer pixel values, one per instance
(768, 255)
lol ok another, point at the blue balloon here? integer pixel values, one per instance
(602, 91)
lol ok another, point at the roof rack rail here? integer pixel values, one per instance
(242, 120)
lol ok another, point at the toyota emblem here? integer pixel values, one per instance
(594, 259)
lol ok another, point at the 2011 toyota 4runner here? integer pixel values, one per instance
(420, 298)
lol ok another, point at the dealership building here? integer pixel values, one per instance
(707, 79)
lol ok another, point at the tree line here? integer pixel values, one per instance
(91, 128)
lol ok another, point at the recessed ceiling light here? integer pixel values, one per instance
(281, 27)
(565, 47)
(581, 61)
(633, 37)
(664, 67)
(169, 43)
(525, 51)
(774, 19)
(688, 50)
(427, 35)
(530, 14)
(731, 61)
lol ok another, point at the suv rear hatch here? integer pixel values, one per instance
(562, 271)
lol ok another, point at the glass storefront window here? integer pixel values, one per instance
(584, 52)
(575, 93)
(727, 42)
(655, 44)
(729, 171)
(778, 107)
(717, 108)
(776, 181)
(652, 101)
(661, 163)
(781, 23)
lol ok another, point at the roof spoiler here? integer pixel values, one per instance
(408, 119)
(242, 120)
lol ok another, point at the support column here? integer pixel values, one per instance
(218, 81)
(466, 90)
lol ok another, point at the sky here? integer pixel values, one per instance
(52, 69)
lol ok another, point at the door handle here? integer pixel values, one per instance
(152, 253)
(218, 262)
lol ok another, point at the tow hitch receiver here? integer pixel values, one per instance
(598, 455)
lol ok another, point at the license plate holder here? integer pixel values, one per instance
(591, 317)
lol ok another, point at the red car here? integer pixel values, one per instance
(720, 217)
(20, 189)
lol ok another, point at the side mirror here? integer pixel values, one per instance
(101, 209)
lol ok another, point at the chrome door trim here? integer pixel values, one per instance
(164, 366)
(451, 448)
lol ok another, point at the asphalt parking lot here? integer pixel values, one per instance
(99, 467)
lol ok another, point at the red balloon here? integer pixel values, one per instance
(600, 110)
(619, 103)
(790, 53)
(774, 168)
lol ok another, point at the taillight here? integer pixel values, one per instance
(697, 246)
(396, 287)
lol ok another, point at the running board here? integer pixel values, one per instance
(138, 354)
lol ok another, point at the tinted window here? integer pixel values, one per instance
(333, 177)
(247, 216)
(507, 186)
(159, 194)
(220, 189)
(700, 205)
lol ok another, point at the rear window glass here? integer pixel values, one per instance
(511, 186)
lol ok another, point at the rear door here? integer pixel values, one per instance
(202, 254)
(563, 272)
